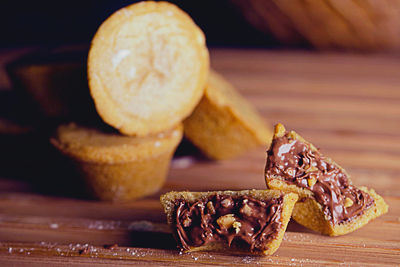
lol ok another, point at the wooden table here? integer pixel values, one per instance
(348, 105)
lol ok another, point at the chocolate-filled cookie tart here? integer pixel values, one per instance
(147, 68)
(117, 167)
(244, 221)
(225, 124)
(329, 202)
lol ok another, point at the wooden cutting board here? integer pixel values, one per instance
(348, 105)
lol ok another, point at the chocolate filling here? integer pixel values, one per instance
(240, 220)
(295, 162)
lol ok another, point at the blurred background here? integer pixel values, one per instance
(347, 25)
(50, 22)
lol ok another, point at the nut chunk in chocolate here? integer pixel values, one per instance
(250, 220)
(329, 202)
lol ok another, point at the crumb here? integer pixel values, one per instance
(84, 251)
(53, 225)
(113, 246)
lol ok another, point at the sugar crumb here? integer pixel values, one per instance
(53, 225)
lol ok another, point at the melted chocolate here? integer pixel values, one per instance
(295, 162)
(249, 221)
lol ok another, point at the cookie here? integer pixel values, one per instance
(55, 83)
(118, 167)
(147, 68)
(225, 124)
(329, 202)
(245, 221)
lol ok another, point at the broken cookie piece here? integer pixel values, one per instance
(248, 221)
(329, 202)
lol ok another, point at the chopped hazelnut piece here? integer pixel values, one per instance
(311, 168)
(186, 222)
(311, 181)
(226, 221)
(279, 130)
(293, 135)
(210, 207)
(226, 203)
(236, 226)
(348, 202)
(290, 172)
(246, 210)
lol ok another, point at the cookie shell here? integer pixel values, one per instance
(225, 124)
(309, 213)
(118, 167)
(289, 200)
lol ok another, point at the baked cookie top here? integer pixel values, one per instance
(147, 68)
(91, 144)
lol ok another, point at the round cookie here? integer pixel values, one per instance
(147, 67)
(118, 167)
(225, 124)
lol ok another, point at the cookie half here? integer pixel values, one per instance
(329, 202)
(118, 167)
(225, 124)
(244, 221)
(147, 68)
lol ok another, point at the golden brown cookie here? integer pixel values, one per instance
(147, 68)
(329, 202)
(246, 221)
(118, 167)
(55, 82)
(225, 124)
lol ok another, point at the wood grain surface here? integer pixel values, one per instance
(348, 105)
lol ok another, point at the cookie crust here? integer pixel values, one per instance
(118, 167)
(225, 124)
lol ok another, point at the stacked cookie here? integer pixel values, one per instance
(148, 81)
(142, 86)
(149, 77)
